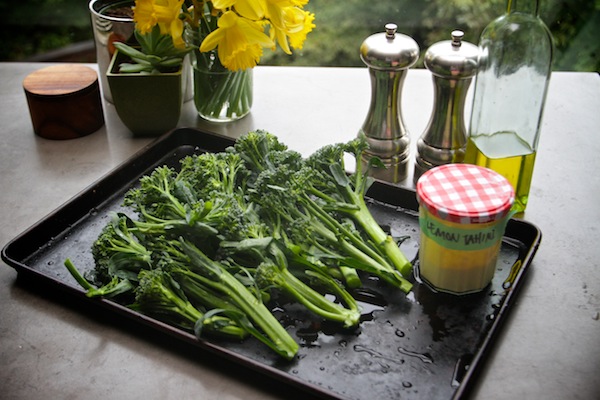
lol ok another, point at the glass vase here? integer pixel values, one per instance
(220, 95)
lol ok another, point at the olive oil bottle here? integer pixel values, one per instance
(514, 68)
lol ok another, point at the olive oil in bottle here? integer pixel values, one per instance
(515, 64)
(510, 156)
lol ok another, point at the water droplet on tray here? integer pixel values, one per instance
(377, 355)
(425, 357)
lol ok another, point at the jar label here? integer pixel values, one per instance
(455, 238)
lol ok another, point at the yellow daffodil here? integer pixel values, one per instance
(169, 21)
(275, 12)
(239, 41)
(296, 24)
(251, 9)
(144, 16)
(165, 13)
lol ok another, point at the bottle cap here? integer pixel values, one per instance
(389, 50)
(454, 59)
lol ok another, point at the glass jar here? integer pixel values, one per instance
(509, 94)
(463, 211)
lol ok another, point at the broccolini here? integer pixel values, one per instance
(214, 237)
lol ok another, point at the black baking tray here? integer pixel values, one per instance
(423, 345)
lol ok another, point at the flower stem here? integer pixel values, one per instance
(222, 94)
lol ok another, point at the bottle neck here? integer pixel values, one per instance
(523, 6)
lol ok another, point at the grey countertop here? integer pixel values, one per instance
(548, 349)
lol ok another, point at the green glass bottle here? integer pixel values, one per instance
(515, 65)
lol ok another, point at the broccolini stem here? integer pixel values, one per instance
(369, 265)
(77, 275)
(351, 277)
(384, 241)
(335, 226)
(278, 338)
(402, 264)
(224, 327)
(318, 304)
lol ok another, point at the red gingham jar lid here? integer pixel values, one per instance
(465, 193)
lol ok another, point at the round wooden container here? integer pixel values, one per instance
(64, 101)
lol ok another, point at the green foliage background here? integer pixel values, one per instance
(31, 27)
(38, 26)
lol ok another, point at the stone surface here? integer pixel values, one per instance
(547, 349)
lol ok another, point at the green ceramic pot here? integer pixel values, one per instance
(148, 104)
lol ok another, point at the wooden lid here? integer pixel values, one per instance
(60, 80)
(64, 101)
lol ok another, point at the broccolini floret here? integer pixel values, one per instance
(119, 251)
(168, 201)
(119, 256)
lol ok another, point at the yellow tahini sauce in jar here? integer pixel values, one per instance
(463, 211)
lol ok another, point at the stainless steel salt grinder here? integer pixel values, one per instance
(453, 63)
(388, 55)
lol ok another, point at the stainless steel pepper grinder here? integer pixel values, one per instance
(388, 55)
(453, 63)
